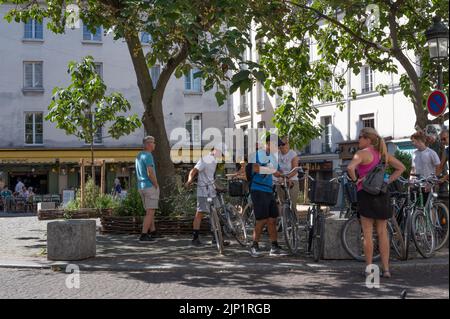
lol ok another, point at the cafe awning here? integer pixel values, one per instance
(74, 155)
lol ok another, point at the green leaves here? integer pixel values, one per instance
(82, 107)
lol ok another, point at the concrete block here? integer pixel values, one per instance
(71, 239)
(46, 205)
(333, 248)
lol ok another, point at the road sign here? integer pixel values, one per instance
(437, 103)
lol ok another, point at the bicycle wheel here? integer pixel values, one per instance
(397, 242)
(217, 231)
(237, 226)
(422, 232)
(318, 236)
(439, 217)
(352, 237)
(290, 229)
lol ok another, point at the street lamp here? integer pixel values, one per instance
(437, 39)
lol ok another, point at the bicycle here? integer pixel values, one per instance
(226, 218)
(320, 193)
(429, 224)
(289, 220)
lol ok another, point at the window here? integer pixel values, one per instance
(326, 123)
(261, 124)
(367, 74)
(155, 72)
(88, 36)
(33, 30)
(260, 105)
(33, 77)
(367, 120)
(99, 68)
(192, 84)
(243, 106)
(146, 38)
(34, 128)
(193, 126)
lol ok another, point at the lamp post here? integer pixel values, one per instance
(437, 39)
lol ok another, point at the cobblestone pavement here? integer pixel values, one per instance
(170, 268)
(25, 283)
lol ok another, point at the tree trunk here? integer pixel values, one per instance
(92, 162)
(165, 170)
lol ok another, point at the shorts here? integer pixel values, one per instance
(203, 205)
(264, 205)
(150, 197)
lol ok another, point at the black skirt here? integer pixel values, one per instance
(374, 206)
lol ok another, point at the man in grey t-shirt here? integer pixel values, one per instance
(425, 161)
(205, 169)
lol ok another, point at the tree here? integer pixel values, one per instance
(207, 34)
(346, 35)
(82, 108)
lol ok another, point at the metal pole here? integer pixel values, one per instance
(440, 76)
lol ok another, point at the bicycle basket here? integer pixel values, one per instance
(236, 188)
(351, 193)
(323, 192)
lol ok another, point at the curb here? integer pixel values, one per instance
(438, 263)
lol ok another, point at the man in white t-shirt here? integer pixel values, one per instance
(19, 185)
(205, 169)
(425, 161)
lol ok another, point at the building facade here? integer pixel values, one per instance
(34, 61)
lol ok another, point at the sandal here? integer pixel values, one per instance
(386, 274)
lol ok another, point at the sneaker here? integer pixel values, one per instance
(277, 251)
(255, 252)
(146, 237)
(156, 235)
(196, 242)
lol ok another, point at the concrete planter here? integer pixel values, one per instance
(71, 240)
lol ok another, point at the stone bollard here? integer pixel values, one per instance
(333, 248)
(71, 239)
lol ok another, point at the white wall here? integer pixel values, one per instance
(56, 51)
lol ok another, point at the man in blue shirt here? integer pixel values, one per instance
(148, 187)
(265, 164)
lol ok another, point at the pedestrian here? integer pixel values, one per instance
(205, 170)
(19, 185)
(373, 209)
(148, 187)
(264, 165)
(117, 187)
(425, 161)
(288, 159)
(8, 199)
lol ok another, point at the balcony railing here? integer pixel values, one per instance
(243, 110)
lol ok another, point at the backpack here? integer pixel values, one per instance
(373, 183)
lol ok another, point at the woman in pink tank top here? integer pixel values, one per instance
(373, 209)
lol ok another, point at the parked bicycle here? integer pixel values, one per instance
(225, 218)
(289, 220)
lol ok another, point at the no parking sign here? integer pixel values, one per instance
(437, 103)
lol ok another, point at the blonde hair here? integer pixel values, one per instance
(376, 140)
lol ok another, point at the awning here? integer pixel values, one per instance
(73, 156)
(404, 145)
